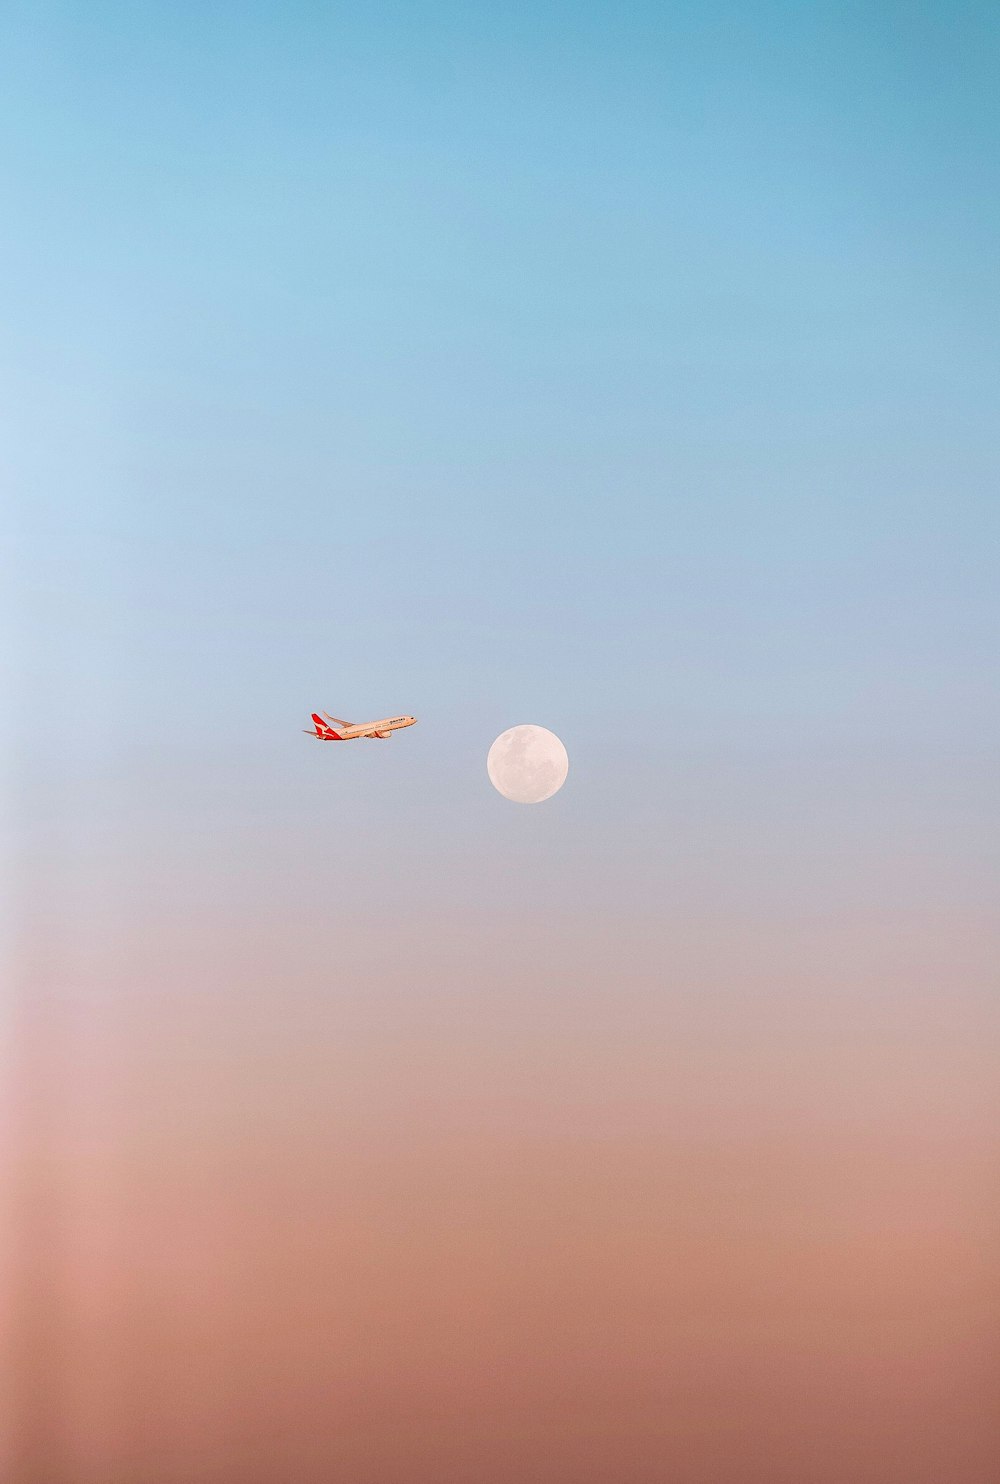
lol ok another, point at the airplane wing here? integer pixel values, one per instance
(371, 736)
(337, 721)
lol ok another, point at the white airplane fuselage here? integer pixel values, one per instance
(369, 728)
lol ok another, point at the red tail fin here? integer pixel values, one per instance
(323, 729)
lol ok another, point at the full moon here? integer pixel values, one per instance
(527, 764)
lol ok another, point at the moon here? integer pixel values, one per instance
(527, 764)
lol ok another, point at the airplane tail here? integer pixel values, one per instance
(323, 730)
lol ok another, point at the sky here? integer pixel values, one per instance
(629, 370)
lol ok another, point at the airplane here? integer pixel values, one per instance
(334, 730)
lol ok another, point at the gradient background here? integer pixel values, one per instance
(628, 369)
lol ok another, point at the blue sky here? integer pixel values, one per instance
(630, 370)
